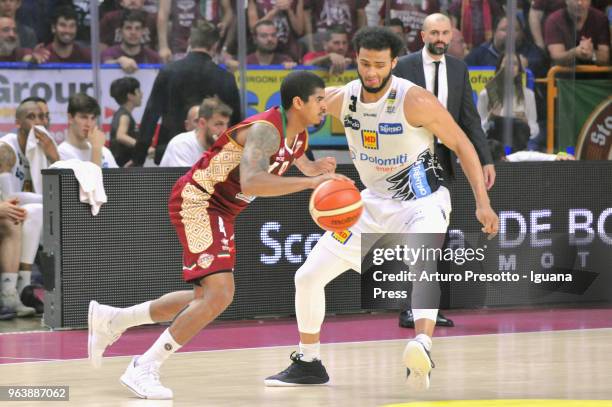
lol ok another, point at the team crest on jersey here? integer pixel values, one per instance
(391, 101)
(342, 236)
(205, 260)
(370, 139)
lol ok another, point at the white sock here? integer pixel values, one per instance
(138, 314)
(24, 280)
(163, 347)
(9, 283)
(424, 340)
(310, 351)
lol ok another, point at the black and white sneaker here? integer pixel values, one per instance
(418, 364)
(299, 373)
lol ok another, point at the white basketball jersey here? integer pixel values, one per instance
(21, 180)
(394, 159)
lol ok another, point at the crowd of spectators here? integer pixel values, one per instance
(134, 32)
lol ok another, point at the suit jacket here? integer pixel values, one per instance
(460, 105)
(178, 86)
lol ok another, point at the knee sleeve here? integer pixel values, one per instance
(31, 232)
(321, 267)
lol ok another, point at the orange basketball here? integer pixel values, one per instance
(336, 205)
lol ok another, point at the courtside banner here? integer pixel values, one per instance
(56, 82)
(553, 216)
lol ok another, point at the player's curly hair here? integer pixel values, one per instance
(378, 39)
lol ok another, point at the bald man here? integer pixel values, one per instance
(454, 91)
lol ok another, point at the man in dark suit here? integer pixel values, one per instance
(447, 78)
(182, 84)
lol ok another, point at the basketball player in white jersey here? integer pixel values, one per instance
(390, 125)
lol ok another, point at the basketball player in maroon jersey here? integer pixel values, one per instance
(245, 161)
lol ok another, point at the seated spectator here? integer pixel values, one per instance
(498, 152)
(334, 57)
(578, 34)
(523, 112)
(19, 182)
(64, 48)
(412, 14)
(10, 49)
(475, 19)
(396, 25)
(84, 141)
(287, 16)
(457, 47)
(130, 52)
(27, 36)
(45, 119)
(185, 149)
(191, 121)
(487, 54)
(538, 13)
(126, 92)
(180, 16)
(266, 42)
(110, 25)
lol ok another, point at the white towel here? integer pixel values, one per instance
(36, 157)
(89, 175)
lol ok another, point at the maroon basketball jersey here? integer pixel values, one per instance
(214, 181)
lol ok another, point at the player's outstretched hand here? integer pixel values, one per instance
(322, 178)
(489, 220)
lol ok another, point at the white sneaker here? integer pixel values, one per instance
(419, 365)
(143, 381)
(100, 336)
(13, 301)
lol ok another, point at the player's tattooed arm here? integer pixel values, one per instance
(262, 142)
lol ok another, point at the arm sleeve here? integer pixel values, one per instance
(469, 120)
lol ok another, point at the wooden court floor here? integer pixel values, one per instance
(544, 365)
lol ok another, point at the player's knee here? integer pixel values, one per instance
(34, 218)
(306, 278)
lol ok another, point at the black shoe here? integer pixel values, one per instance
(299, 373)
(406, 320)
(29, 299)
(7, 313)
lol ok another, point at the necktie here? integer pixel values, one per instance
(435, 89)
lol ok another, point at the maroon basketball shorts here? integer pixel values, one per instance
(206, 235)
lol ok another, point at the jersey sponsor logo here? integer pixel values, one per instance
(205, 260)
(369, 115)
(412, 182)
(370, 139)
(342, 236)
(390, 128)
(351, 123)
(418, 180)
